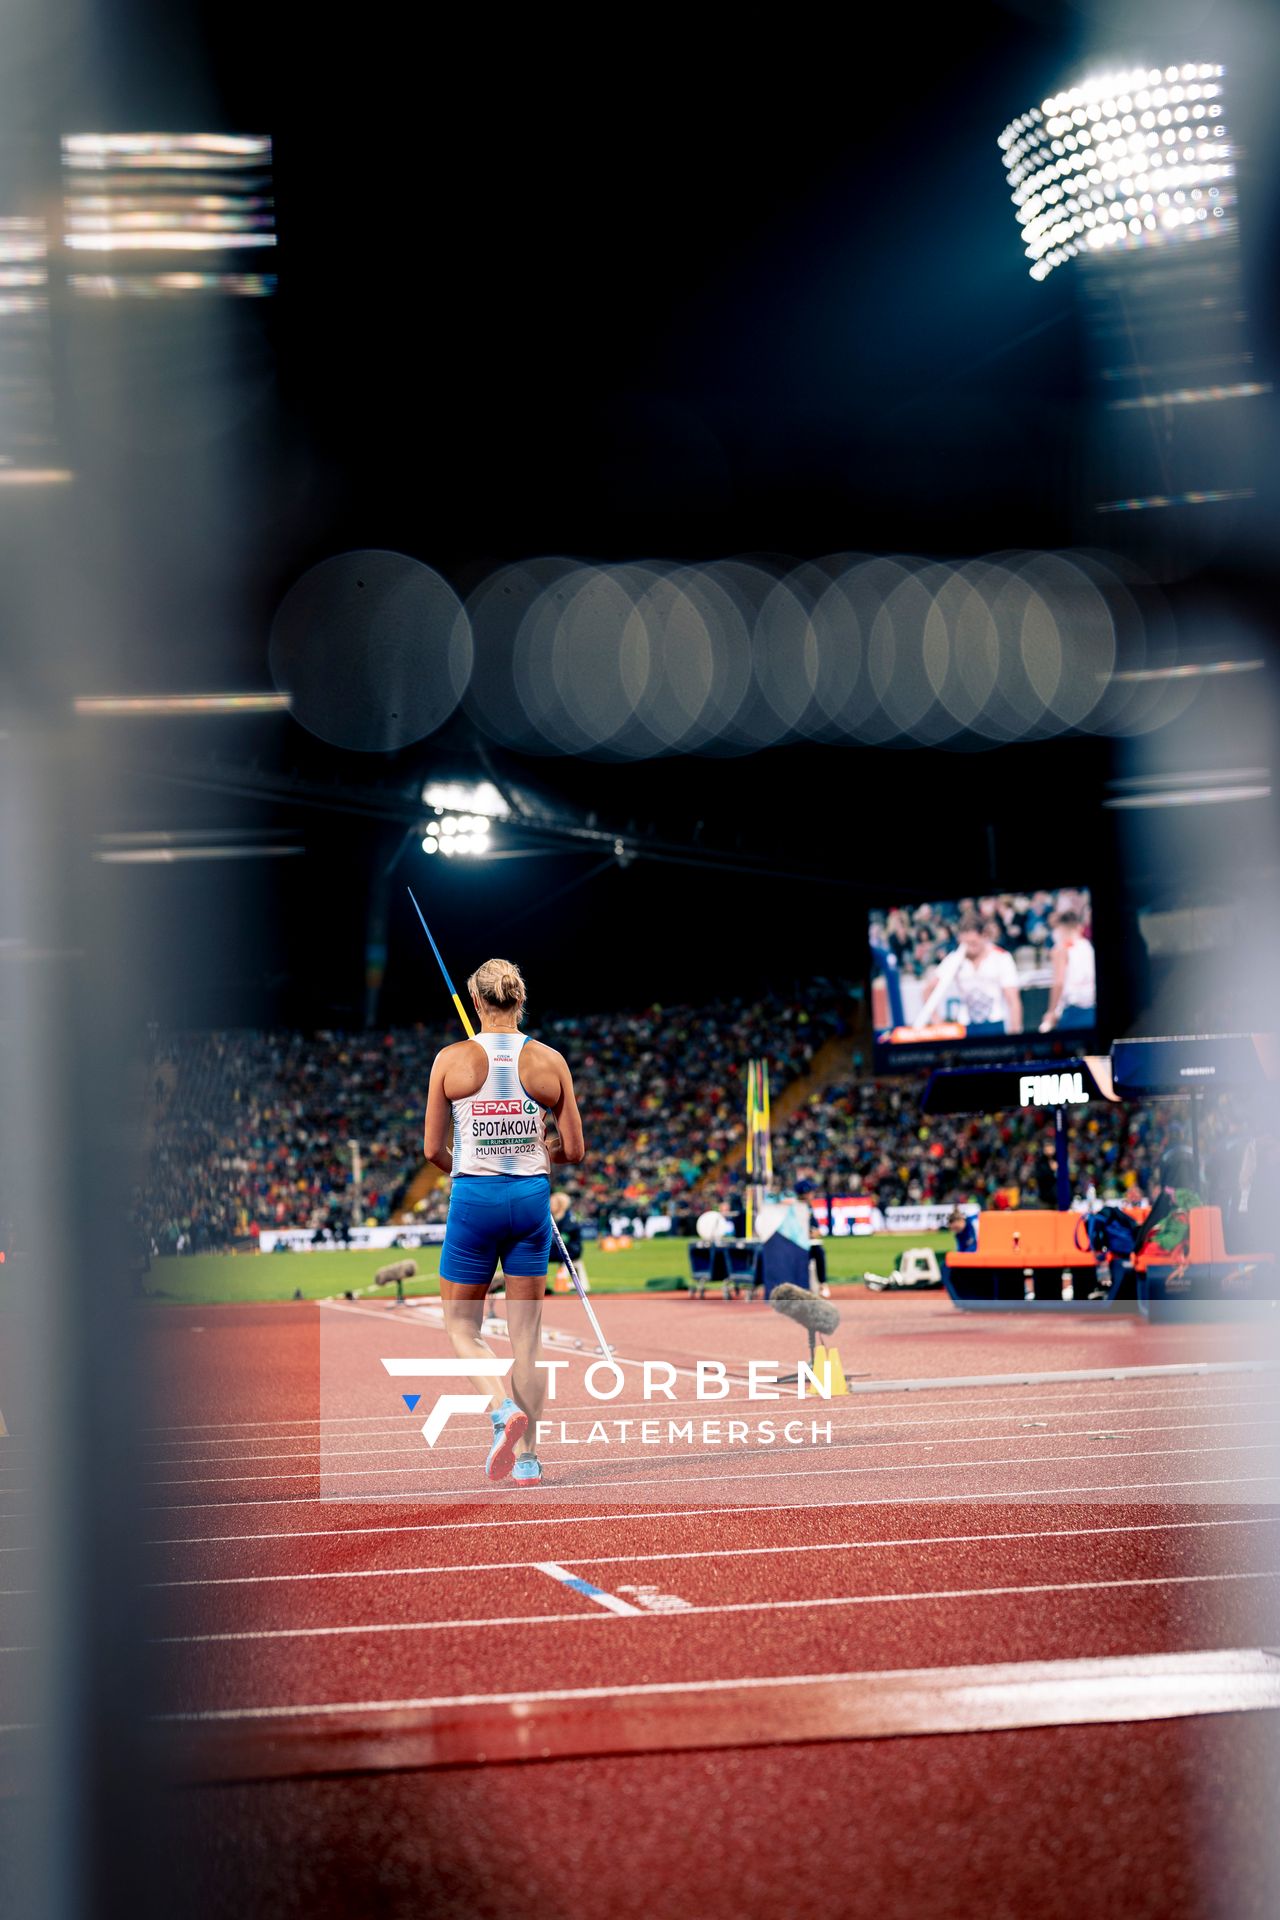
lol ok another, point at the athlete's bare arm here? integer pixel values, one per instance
(456, 1073)
(1013, 1009)
(1058, 982)
(572, 1149)
(941, 979)
(545, 1075)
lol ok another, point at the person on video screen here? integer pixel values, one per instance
(1073, 993)
(977, 985)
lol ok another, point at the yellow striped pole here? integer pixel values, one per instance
(768, 1140)
(751, 1140)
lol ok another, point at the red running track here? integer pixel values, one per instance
(342, 1617)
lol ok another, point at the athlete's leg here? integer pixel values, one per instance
(524, 1325)
(463, 1318)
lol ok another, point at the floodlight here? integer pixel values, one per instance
(1122, 161)
(457, 796)
(151, 194)
(456, 834)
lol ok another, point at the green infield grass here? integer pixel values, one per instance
(209, 1279)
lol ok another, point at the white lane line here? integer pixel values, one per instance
(1183, 1368)
(693, 1612)
(407, 1432)
(1195, 1367)
(427, 1463)
(597, 1595)
(706, 1553)
(1194, 1372)
(588, 1354)
(645, 1515)
(1047, 1675)
(587, 1487)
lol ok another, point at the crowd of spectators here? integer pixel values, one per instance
(254, 1130)
(870, 1139)
(260, 1129)
(665, 1090)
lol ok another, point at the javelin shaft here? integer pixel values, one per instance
(471, 1034)
(583, 1295)
(453, 991)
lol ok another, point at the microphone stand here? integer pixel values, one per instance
(793, 1379)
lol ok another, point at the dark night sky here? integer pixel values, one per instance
(627, 288)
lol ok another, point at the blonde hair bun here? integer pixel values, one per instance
(500, 984)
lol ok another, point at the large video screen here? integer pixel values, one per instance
(985, 967)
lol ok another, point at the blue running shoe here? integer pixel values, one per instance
(509, 1425)
(527, 1471)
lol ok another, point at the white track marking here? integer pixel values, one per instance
(424, 1463)
(915, 1385)
(1041, 1673)
(588, 1487)
(589, 1353)
(326, 1449)
(1192, 1371)
(796, 1547)
(323, 1450)
(645, 1515)
(719, 1607)
(1193, 1367)
(597, 1596)
(1067, 1405)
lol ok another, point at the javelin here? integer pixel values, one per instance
(471, 1034)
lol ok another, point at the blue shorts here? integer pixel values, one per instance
(492, 1217)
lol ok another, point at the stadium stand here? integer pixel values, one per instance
(255, 1129)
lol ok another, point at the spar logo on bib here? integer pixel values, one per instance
(508, 1108)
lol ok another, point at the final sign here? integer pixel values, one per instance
(1052, 1090)
(1022, 1084)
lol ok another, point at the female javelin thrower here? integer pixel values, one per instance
(498, 1089)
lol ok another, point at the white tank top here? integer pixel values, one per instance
(1079, 981)
(500, 1129)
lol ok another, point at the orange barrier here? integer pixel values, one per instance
(1012, 1238)
(1205, 1246)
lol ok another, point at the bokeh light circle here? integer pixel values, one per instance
(374, 649)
